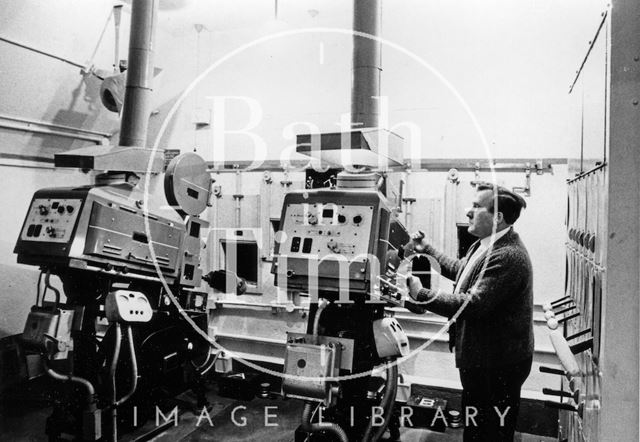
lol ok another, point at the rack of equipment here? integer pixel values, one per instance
(342, 247)
(575, 319)
(118, 262)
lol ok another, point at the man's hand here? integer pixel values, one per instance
(414, 285)
(417, 244)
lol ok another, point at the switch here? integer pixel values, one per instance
(556, 302)
(567, 318)
(578, 334)
(582, 346)
(306, 245)
(44, 210)
(562, 349)
(60, 210)
(565, 310)
(51, 232)
(565, 406)
(552, 370)
(70, 209)
(559, 393)
(551, 306)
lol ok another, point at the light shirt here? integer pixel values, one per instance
(485, 244)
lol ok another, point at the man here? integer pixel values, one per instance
(493, 294)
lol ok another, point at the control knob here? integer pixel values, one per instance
(333, 246)
(312, 219)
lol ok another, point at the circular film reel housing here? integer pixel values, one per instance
(187, 184)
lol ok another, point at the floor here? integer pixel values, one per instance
(23, 419)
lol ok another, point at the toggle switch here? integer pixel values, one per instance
(561, 393)
(550, 305)
(552, 370)
(580, 333)
(566, 318)
(565, 310)
(582, 346)
(564, 406)
(559, 300)
(564, 353)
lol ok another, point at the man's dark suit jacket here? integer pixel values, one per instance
(495, 328)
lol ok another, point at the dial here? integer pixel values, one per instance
(334, 246)
(312, 219)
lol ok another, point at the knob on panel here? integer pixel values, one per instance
(333, 246)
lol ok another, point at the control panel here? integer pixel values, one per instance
(335, 241)
(127, 306)
(322, 229)
(575, 319)
(51, 220)
(105, 229)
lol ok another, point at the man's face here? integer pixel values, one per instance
(480, 217)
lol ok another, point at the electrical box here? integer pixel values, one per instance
(127, 306)
(309, 369)
(48, 330)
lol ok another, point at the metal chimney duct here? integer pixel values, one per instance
(367, 54)
(131, 154)
(137, 99)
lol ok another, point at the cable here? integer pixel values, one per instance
(134, 369)
(88, 386)
(388, 399)
(38, 288)
(391, 388)
(112, 377)
(312, 428)
(213, 363)
(322, 304)
(47, 285)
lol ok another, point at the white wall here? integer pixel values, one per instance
(512, 64)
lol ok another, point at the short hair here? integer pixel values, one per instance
(509, 203)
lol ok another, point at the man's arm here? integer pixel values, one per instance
(502, 278)
(448, 266)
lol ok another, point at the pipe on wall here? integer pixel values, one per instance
(137, 100)
(367, 67)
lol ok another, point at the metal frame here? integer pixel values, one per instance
(539, 165)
